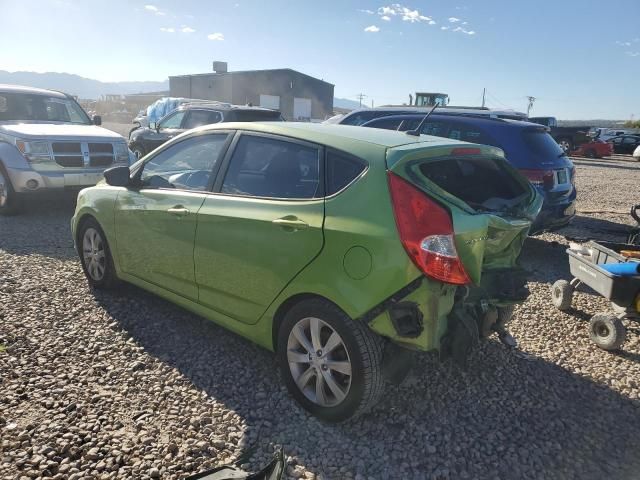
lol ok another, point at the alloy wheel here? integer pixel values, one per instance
(93, 253)
(565, 145)
(319, 362)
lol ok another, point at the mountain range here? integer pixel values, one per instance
(93, 89)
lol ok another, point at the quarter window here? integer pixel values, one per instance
(266, 167)
(187, 165)
(342, 169)
(437, 129)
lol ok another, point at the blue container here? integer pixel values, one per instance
(625, 269)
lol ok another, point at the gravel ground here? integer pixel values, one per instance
(125, 385)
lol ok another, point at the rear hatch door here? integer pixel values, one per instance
(492, 205)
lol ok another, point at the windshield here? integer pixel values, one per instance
(40, 108)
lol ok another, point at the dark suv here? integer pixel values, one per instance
(527, 146)
(192, 115)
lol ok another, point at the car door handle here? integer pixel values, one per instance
(179, 211)
(290, 223)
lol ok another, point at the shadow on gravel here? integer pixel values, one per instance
(43, 228)
(510, 415)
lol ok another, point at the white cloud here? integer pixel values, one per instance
(410, 15)
(432, 22)
(162, 14)
(372, 29)
(367, 11)
(186, 29)
(470, 32)
(444, 28)
(454, 19)
(216, 36)
(386, 11)
(464, 23)
(151, 8)
(633, 54)
(167, 29)
(623, 44)
(385, 18)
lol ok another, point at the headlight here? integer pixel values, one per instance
(121, 153)
(35, 152)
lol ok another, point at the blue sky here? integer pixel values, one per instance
(580, 59)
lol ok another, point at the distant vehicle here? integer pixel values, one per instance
(362, 116)
(527, 146)
(594, 149)
(344, 250)
(625, 144)
(636, 153)
(192, 115)
(608, 133)
(49, 143)
(569, 138)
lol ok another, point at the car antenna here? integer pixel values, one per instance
(416, 131)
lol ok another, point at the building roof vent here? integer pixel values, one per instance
(220, 67)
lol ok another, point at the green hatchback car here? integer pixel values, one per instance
(340, 248)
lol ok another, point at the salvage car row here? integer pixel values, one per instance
(340, 248)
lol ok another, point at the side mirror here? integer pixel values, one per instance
(97, 120)
(118, 176)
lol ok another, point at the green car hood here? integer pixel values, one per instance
(485, 239)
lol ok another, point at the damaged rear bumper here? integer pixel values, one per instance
(430, 315)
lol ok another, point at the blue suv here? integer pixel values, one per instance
(527, 146)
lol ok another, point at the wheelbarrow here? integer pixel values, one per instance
(588, 266)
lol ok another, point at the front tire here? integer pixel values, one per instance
(566, 144)
(10, 201)
(331, 364)
(591, 153)
(95, 255)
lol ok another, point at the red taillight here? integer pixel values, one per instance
(540, 178)
(426, 232)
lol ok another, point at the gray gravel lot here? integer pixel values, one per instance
(125, 385)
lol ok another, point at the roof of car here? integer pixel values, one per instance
(459, 117)
(333, 135)
(31, 90)
(484, 111)
(221, 106)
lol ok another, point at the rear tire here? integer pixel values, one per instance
(10, 201)
(95, 255)
(566, 144)
(562, 295)
(607, 331)
(591, 154)
(336, 372)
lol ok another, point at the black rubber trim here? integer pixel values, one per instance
(392, 300)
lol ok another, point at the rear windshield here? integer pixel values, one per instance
(483, 183)
(256, 116)
(541, 144)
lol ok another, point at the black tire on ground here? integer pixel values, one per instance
(562, 294)
(607, 331)
(11, 203)
(362, 346)
(108, 279)
(505, 314)
(591, 153)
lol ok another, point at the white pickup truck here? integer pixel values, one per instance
(48, 143)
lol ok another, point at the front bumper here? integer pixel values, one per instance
(28, 180)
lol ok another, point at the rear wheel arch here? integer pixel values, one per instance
(287, 305)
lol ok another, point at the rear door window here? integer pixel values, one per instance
(469, 133)
(173, 120)
(435, 128)
(273, 168)
(387, 124)
(342, 169)
(197, 118)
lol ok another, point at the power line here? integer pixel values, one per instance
(361, 96)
